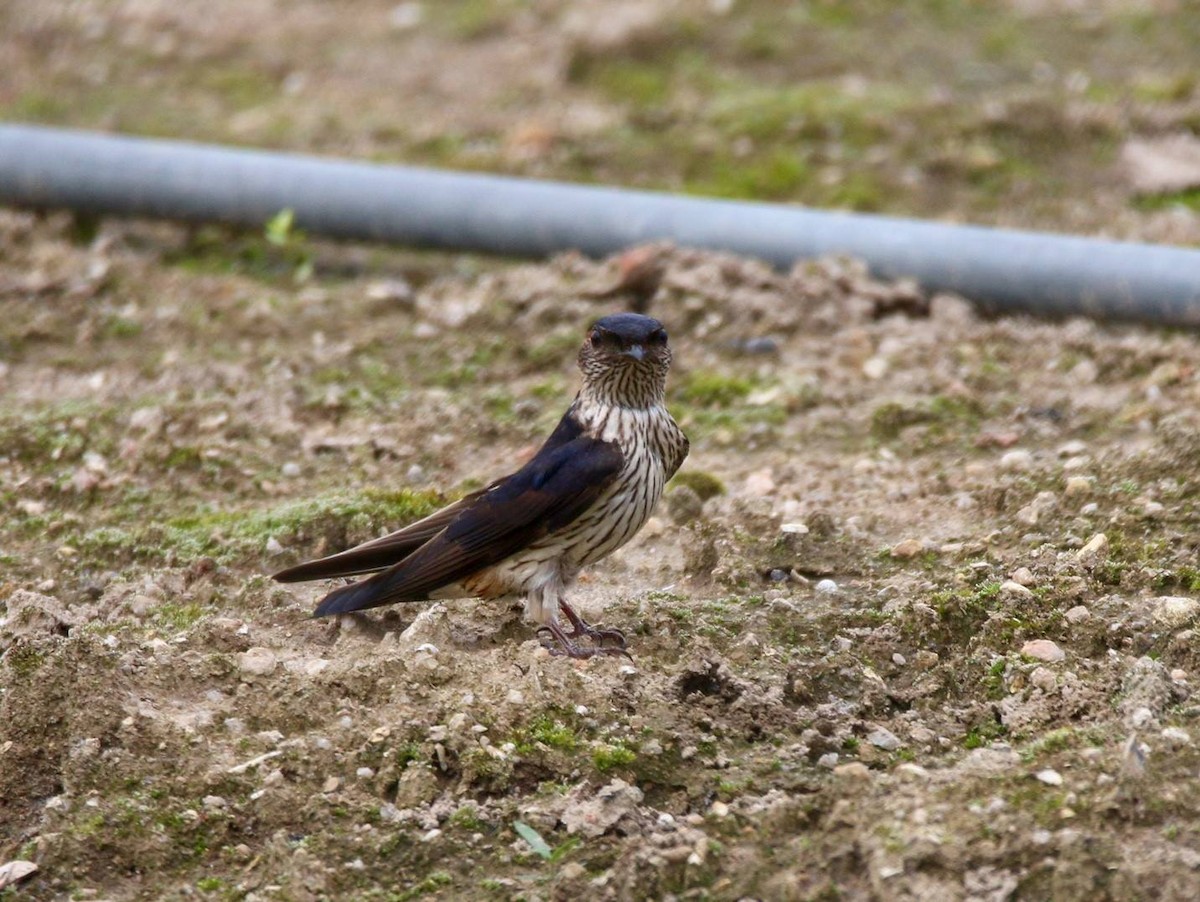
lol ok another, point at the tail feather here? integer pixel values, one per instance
(359, 596)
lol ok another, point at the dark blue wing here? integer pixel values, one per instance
(559, 484)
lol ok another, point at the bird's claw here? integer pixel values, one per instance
(602, 641)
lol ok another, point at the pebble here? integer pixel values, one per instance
(909, 548)
(1077, 485)
(1043, 650)
(1179, 675)
(1016, 459)
(1176, 737)
(898, 659)
(1174, 610)
(884, 739)
(911, 772)
(1078, 614)
(364, 773)
(853, 770)
(875, 368)
(1023, 575)
(257, 661)
(515, 697)
(291, 469)
(719, 809)
(1043, 503)
(828, 760)
(827, 586)
(273, 546)
(1013, 588)
(794, 529)
(1044, 679)
(331, 784)
(1049, 777)
(213, 802)
(1141, 718)
(760, 484)
(926, 659)
(1096, 546)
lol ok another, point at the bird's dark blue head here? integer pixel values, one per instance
(630, 333)
(626, 358)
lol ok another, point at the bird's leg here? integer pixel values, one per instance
(601, 642)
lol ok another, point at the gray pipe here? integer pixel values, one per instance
(1002, 268)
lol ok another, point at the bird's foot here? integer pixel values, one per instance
(600, 642)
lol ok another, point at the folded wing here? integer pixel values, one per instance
(566, 478)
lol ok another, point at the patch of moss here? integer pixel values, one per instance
(706, 388)
(610, 757)
(430, 884)
(239, 535)
(702, 483)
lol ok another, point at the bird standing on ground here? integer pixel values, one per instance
(586, 492)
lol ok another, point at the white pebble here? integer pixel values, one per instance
(1049, 777)
(1043, 650)
(827, 586)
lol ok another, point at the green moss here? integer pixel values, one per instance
(178, 617)
(610, 757)
(703, 484)
(238, 535)
(24, 660)
(430, 884)
(707, 388)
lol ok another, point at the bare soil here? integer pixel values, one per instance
(916, 621)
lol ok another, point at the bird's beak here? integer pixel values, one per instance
(637, 352)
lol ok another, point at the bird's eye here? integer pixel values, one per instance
(659, 337)
(596, 338)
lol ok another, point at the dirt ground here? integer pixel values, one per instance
(917, 620)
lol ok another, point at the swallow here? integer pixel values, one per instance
(586, 492)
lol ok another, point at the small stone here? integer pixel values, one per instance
(1141, 718)
(213, 802)
(1078, 614)
(257, 661)
(1174, 610)
(273, 546)
(1014, 589)
(515, 697)
(829, 760)
(827, 586)
(331, 784)
(719, 809)
(1179, 675)
(1043, 678)
(875, 368)
(913, 773)
(898, 659)
(884, 739)
(854, 771)
(13, 872)
(925, 659)
(1043, 650)
(1016, 459)
(1023, 575)
(1176, 737)
(364, 773)
(291, 469)
(794, 529)
(1078, 485)
(1049, 777)
(760, 484)
(1071, 448)
(1097, 546)
(909, 548)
